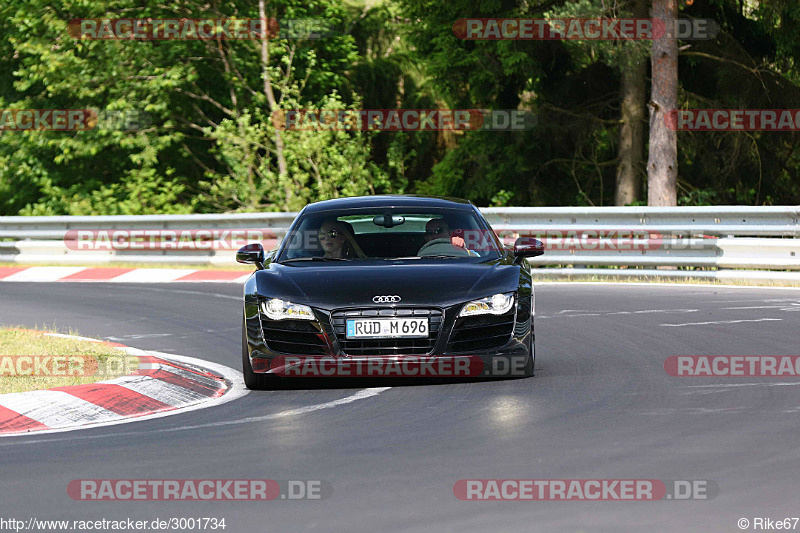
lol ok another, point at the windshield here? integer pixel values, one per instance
(358, 234)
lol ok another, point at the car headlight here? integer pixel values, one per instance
(277, 309)
(491, 305)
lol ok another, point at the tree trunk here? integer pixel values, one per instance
(662, 164)
(631, 135)
(269, 93)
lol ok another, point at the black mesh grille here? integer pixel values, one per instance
(481, 332)
(420, 346)
(297, 337)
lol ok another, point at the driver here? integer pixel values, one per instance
(337, 241)
(438, 228)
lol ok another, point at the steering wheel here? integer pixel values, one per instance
(442, 247)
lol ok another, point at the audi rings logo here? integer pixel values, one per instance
(385, 299)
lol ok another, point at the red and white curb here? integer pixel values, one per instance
(164, 384)
(120, 275)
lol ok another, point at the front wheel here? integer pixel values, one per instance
(527, 371)
(252, 380)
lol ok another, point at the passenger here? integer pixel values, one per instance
(336, 239)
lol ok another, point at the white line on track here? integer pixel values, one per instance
(142, 336)
(754, 307)
(757, 384)
(200, 293)
(139, 288)
(763, 300)
(576, 314)
(721, 322)
(692, 411)
(360, 395)
(72, 337)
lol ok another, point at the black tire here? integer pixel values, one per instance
(252, 380)
(528, 370)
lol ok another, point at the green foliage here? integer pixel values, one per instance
(698, 197)
(209, 145)
(618, 54)
(206, 141)
(573, 87)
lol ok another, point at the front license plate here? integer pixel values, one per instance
(386, 328)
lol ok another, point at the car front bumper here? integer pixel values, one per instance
(328, 359)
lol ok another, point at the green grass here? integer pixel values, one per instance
(71, 361)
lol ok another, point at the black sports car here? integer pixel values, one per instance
(388, 286)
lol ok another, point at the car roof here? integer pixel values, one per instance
(388, 200)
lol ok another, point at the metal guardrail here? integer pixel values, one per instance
(773, 221)
(709, 239)
(32, 240)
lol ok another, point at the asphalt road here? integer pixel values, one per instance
(600, 406)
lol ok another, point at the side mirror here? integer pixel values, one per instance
(527, 247)
(251, 254)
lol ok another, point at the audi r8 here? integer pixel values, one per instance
(401, 279)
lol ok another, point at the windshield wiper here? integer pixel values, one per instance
(314, 259)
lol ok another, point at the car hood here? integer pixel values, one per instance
(333, 285)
